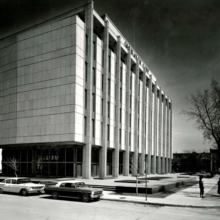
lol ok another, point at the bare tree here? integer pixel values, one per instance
(12, 163)
(134, 169)
(205, 110)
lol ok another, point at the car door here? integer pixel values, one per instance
(74, 191)
(68, 190)
(7, 186)
(14, 186)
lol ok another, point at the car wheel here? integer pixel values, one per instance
(85, 198)
(1, 190)
(24, 192)
(54, 195)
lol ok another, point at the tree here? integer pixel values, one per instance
(12, 163)
(205, 110)
(134, 169)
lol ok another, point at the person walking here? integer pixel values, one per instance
(201, 186)
(218, 187)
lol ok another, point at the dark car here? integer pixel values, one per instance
(74, 189)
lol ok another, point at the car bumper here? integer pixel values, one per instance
(96, 196)
(36, 191)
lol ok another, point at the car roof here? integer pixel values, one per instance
(16, 178)
(70, 181)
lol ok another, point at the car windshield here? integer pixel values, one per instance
(81, 184)
(20, 181)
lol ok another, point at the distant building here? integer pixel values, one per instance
(77, 100)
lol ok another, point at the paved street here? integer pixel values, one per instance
(42, 207)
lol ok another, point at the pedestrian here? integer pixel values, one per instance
(218, 187)
(201, 186)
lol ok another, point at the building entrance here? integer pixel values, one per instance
(121, 154)
(95, 162)
(109, 163)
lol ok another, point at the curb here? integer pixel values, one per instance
(159, 204)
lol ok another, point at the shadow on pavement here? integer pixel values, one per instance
(66, 199)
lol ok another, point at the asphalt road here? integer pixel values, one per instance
(43, 207)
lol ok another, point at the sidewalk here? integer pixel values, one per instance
(189, 197)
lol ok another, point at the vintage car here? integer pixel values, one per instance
(21, 185)
(74, 189)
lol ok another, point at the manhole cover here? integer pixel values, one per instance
(122, 197)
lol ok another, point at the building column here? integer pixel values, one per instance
(136, 119)
(127, 150)
(143, 152)
(163, 134)
(117, 119)
(168, 141)
(103, 151)
(154, 150)
(86, 170)
(171, 136)
(159, 134)
(149, 126)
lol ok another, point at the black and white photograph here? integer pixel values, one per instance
(109, 109)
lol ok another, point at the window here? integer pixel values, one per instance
(102, 107)
(86, 44)
(86, 72)
(68, 185)
(120, 115)
(101, 130)
(93, 128)
(120, 136)
(131, 81)
(121, 80)
(108, 133)
(85, 99)
(103, 58)
(120, 94)
(129, 138)
(130, 101)
(93, 101)
(85, 125)
(94, 50)
(8, 181)
(62, 185)
(13, 181)
(108, 110)
(130, 120)
(115, 112)
(94, 77)
(109, 84)
(109, 63)
(102, 82)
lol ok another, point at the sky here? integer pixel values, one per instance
(179, 40)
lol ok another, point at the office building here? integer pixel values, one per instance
(77, 100)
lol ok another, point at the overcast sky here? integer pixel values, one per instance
(179, 40)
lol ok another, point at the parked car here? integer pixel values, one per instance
(21, 185)
(75, 189)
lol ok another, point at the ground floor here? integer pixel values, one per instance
(75, 160)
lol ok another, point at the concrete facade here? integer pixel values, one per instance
(75, 96)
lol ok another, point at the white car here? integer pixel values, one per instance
(21, 185)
